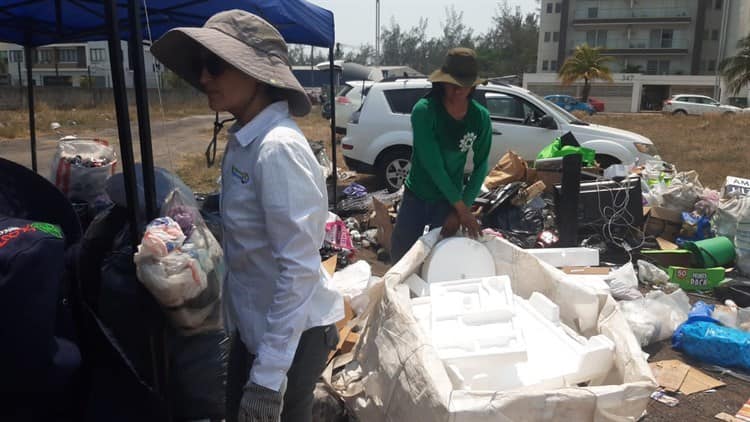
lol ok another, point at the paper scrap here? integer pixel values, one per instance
(744, 413)
(674, 375)
(723, 416)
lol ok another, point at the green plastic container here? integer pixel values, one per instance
(696, 279)
(715, 252)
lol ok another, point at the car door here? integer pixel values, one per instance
(511, 130)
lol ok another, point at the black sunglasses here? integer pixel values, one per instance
(214, 65)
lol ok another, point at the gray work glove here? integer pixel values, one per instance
(260, 404)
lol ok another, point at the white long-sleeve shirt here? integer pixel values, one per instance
(274, 209)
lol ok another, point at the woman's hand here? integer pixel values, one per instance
(450, 225)
(467, 220)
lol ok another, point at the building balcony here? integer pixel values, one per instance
(626, 16)
(640, 46)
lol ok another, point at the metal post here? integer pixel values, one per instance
(141, 101)
(331, 101)
(123, 119)
(32, 120)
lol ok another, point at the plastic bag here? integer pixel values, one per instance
(80, 167)
(683, 192)
(623, 284)
(557, 149)
(713, 343)
(649, 273)
(655, 317)
(184, 273)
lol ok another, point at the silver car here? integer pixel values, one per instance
(697, 105)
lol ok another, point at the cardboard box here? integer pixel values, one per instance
(552, 177)
(735, 186)
(670, 257)
(696, 279)
(663, 222)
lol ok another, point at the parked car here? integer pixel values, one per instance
(696, 104)
(597, 104)
(570, 104)
(379, 136)
(348, 100)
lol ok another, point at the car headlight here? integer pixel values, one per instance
(644, 148)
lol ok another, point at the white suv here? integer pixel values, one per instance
(379, 135)
(348, 100)
(696, 104)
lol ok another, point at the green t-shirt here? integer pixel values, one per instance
(441, 145)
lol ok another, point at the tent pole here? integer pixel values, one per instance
(333, 124)
(141, 102)
(123, 119)
(30, 92)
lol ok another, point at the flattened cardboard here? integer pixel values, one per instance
(383, 222)
(663, 222)
(669, 258)
(674, 375)
(666, 245)
(697, 381)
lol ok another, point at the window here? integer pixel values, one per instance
(555, 36)
(714, 34)
(661, 38)
(558, 7)
(15, 56)
(67, 55)
(593, 12)
(545, 65)
(44, 56)
(98, 55)
(718, 4)
(711, 65)
(663, 67)
(549, 7)
(652, 66)
(402, 101)
(705, 35)
(546, 37)
(510, 107)
(553, 65)
(596, 38)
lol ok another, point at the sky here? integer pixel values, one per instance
(355, 19)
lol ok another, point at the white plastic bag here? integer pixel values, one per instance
(656, 316)
(80, 167)
(683, 192)
(649, 273)
(623, 284)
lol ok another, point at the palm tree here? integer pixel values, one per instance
(736, 69)
(586, 63)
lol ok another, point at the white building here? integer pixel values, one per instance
(71, 65)
(660, 47)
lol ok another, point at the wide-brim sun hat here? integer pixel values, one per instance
(459, 68)
(243, 40)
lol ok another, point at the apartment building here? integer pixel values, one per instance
(659, 47)
(72, 64)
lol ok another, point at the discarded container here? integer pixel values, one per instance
(696, 279)
(458, 258)
(715, 252)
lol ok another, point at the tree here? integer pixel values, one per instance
(586, 63)
(510, 46)
(736, 69)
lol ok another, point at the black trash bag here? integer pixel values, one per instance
(198, 373)
(736, 290)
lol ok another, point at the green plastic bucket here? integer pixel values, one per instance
(715, 252)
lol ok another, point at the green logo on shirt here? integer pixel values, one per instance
(244, 177)
(50, 229)
(467, 141)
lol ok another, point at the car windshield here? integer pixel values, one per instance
(559, 112)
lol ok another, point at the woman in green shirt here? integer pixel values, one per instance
(446, 125)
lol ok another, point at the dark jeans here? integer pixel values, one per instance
(309, 362)
(413, 215)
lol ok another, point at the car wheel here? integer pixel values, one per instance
(606, 160)
(393, 167)
(680, 112)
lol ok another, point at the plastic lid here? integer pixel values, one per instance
(458, 258)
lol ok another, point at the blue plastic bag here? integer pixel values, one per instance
(713, 343)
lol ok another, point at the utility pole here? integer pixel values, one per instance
(377, 32)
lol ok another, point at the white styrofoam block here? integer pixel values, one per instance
(422, 309)
(458, 258)
(417, 286)
(545, 307)
(567, 257)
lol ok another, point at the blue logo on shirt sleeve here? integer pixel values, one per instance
(242, 176)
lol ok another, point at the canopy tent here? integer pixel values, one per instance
(32, 23)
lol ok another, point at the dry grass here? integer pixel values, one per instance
(14, 124)
(194, 172)
(713, 145)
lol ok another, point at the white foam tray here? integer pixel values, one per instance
(500, 341)
(567, 257)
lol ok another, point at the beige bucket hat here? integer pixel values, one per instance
(459, 68)
(243, 40)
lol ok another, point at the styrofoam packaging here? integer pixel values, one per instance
(567, 257)
(458, 258)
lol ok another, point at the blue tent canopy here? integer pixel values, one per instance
(38, 22)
